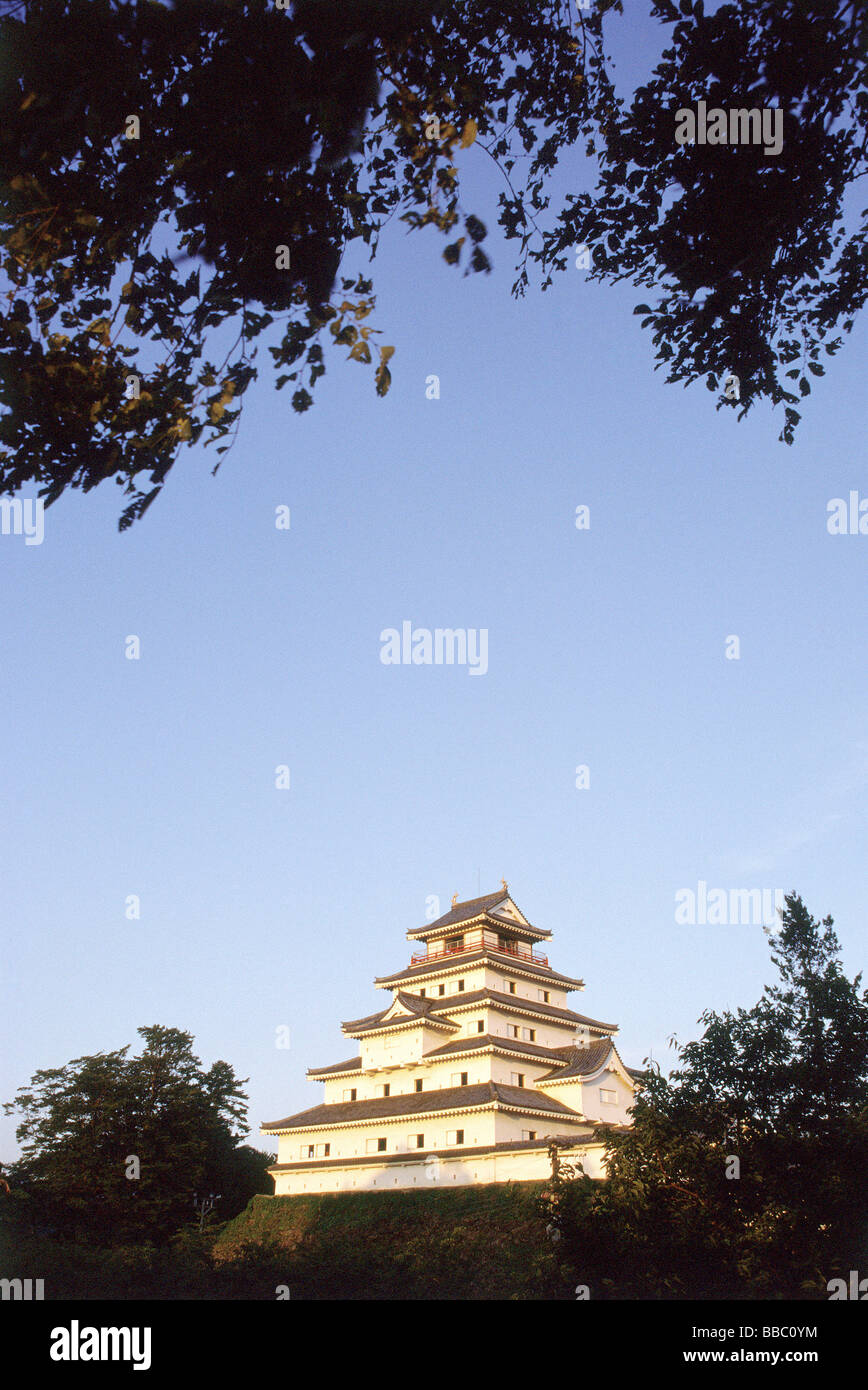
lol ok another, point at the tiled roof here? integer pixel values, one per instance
(476, 907)
(482, 1040)
(353, 1064)
(421, 1103)
(416, 1007)
(460, 961)
(462, 912)
(451, 1002)
(581, 1061)
(565, 1143)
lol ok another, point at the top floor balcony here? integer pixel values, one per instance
(477, 941)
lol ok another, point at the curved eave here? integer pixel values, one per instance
(514, 964)
(504, 924)
(396, 1026)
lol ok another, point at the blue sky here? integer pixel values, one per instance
(263, 908)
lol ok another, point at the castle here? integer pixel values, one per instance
(467, 1076)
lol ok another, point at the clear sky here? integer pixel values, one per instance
(264, 908)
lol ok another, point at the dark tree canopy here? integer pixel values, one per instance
(269, 140)
(82, 1124)
(783, 1089)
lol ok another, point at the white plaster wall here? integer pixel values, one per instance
(595, 1109)
(521, 1166)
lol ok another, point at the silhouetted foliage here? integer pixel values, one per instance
(271, 140)
(84, 1122)
(783, 1089)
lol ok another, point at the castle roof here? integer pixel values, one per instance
(487, 1094)
(454, 961)
(431, 1010)
(496, 910)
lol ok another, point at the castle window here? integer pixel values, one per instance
(480, 1025)
(381, 1146)
(455, 1136)
(529, 1034)
(386, 1088)
(528, 1134)
(421, 994)
(514, 1030)
(418, 1083)
(441, 989)
(517, 1078)
(608, 1097)
(512, 986)
(543, 994)
(416, 1141)
(460, 986)
(350, 1095)
(323, 1150)
(311, 1150)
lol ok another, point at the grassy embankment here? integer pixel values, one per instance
(467, 1243)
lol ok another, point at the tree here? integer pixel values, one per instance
(114, 1146)
(171, 170)
(750, 250)
(743, 1172)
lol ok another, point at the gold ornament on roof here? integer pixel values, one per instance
(454, 899)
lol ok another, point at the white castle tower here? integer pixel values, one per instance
(467, 1076)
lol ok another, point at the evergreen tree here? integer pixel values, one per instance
(115, 1146)
(743, 1174)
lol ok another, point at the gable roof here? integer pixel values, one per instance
(417, 1009)
(486, 906)
(581, 1061)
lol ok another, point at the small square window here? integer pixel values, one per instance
(417, 1141)
(608, 1097)
(528, 1134)
(455, 1136)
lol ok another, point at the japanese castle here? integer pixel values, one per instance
(467, 1076)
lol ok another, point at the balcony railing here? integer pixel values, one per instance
(515, 950)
